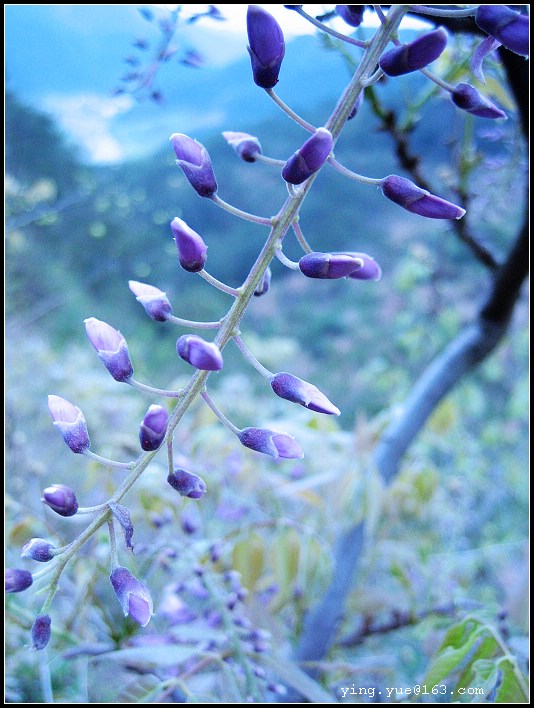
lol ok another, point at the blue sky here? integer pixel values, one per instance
(67, 60)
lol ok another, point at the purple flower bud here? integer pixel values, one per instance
(356, 107)
(70, 422)
(38, 550)
(41, 631)
(191, 247)
(469, 99)
(415, 55)
(189, 521)
(195, 162)
(408, 195)
(199, 353)
(329, 265)
(153, 428)
(111, 348)
(246, 146)
(155, 302)
(509, 27)
(186, 483)
(264, 284)
(133, 595)
(17, 580)
(60, 499)
(352, 14)
(370, 269)
(266, 46)
(298, 391)
(271, 443)
(309, 158)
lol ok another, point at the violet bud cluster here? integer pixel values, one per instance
(17, 579)
(266, 46)
(155, 302)
(271, 443)
(38, 550)
(153, 428)
(305, 394)
(111, 348)
(191, 248)
(329, 265)
(419, 201)
(60, 499)
(187, 484)
(199, 353)
(195, 163)
(133, 595)
(245, 145)
(506, 25)
(309, 158)
(41, 631)
(414, 55)
(70, 422)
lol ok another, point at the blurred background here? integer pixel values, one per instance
(93, 93)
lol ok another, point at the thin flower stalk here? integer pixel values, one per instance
(262, 220)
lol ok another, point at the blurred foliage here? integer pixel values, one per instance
(450, 532)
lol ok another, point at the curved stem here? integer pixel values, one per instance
(193, 323)
(288, 111)
(264, 221)
(107, 462)
(157, 391)
(436, 79)
(220, 415)
(292, 265)
(300, 237)
(353, 175)
(269, 160)
(324, 28)
(112, 545)
(249, 356)
(217, 283)
(437, 12)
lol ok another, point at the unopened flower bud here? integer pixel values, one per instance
(469, 99)
(415, 55)
(70, 422)
(153, 428)
(329, 265)
(246, 146)
(155, 302)
(17, 580)
(266, 46)
(408, 195)
(111, 348)
(60, 499)
(305, 394)
(271, 443)
(133, 595)
(38, 550)
(352, 14)
(509, 27)
(191, 248)
(264, 284)
(186, 483)
(370, 269)
(309, 158)
(41, 631)
(199, 353)
(195, 162)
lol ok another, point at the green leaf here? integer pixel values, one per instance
(487, 648)
(510, 689)
(248, 559)
(458, 641)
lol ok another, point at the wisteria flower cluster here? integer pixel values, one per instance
(383, 54)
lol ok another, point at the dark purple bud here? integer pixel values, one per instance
(469, 99)
(70, 422)
(111, 348)
(329, 265)
(298, 391)
(153, 428)
(352, 14)
(38, 550)
(266, 46)
(199, 353)
(155, 302)
(17, 580)
(246, 146)
(60, 499)
(191, 248)
(271, 443)
(189, 521)
(41, 631)
(356, 107)
(264, 284)
(370, 269)
(133, 595)
(415, 55)
(186, 483)
(309, 158)
(509, 27)
(408, 195)
(195, 162)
